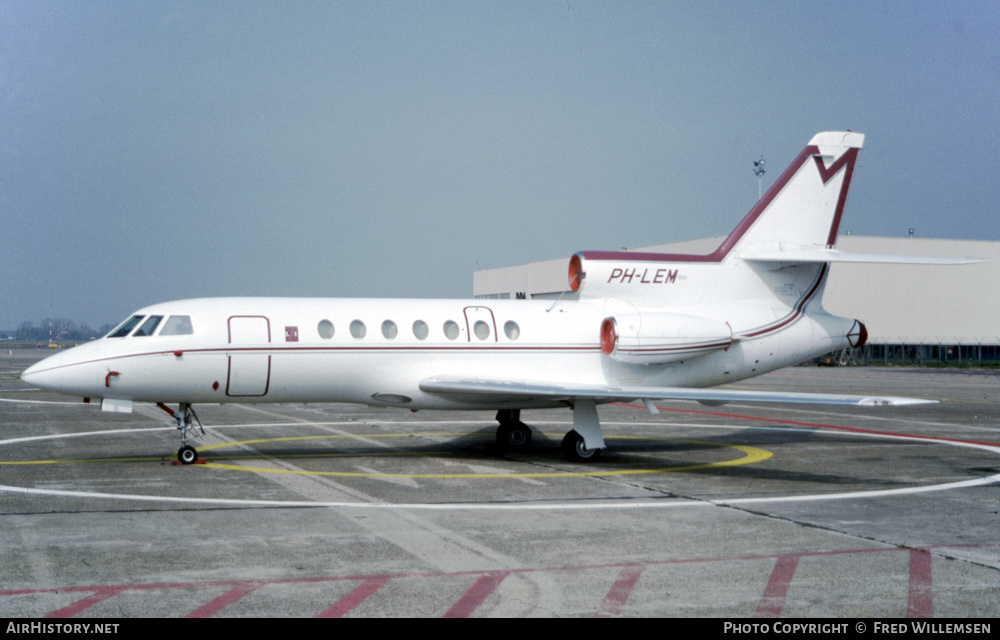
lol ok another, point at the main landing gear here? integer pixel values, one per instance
(512, 434)
(186, 419)
(583, 444)
(574, 449)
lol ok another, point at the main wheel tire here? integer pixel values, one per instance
(514, 435)
(187, 454)
(575, 450)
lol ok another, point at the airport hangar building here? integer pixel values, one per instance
(914, 313)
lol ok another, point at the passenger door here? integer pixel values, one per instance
(480, 324)
(249, 356)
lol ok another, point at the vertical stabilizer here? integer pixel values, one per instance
(802, 208)
(799, 214)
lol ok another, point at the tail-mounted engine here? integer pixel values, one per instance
(660, 338)
(595, 274)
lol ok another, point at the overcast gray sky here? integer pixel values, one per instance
(159, 150)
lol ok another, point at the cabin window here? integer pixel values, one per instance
(511, 329)
(125, 327)
(177, 326)
(358, 329)
(325, 329)
(451, 329)
(481, 329)
(148, 327)
(420, 330)
(389, 329)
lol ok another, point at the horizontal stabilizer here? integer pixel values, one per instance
(821, 254)
(513, 391)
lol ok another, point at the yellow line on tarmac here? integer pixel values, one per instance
(751, 455)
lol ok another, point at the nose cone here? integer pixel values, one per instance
(71, 372)
(44, 374)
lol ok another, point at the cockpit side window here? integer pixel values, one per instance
(177, 326)
(148, 327)
(125, 327)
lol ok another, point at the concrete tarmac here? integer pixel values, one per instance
(340, 510)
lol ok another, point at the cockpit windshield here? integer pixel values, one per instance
(172, 326)
(125, 327)
(148, 327)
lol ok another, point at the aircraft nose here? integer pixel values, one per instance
(76, 371)
(41, 374)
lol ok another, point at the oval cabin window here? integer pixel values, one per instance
(358, 329)
(389, 329)
(511, 330)
(420, 330)
(325, 329)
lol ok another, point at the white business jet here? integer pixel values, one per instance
(630, 327)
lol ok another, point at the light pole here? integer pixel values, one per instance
(758, 170)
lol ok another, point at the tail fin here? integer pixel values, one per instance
(802, 208)
(800, 213)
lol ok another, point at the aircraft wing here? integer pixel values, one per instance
(515, 390)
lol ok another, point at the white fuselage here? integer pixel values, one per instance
(254, 350)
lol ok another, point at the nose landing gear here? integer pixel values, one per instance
(186, 419)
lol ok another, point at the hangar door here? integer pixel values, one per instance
(249, 360)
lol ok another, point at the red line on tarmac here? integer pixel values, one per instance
(223, 601)
(920, 578)
(476, 594)
(773, 600)
(921, 601)
(99, 595)
(812, 424)
(620, 592)
(355, 597)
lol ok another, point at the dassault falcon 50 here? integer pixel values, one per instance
(631, 326)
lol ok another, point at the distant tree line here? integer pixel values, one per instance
(63, 330)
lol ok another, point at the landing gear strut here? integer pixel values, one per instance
(585, 442)
(512, 433)
(186, 419)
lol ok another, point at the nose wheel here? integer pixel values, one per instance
(187, 454)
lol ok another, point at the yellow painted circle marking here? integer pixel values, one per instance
(751, 455)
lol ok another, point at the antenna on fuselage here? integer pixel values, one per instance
(576, 277)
